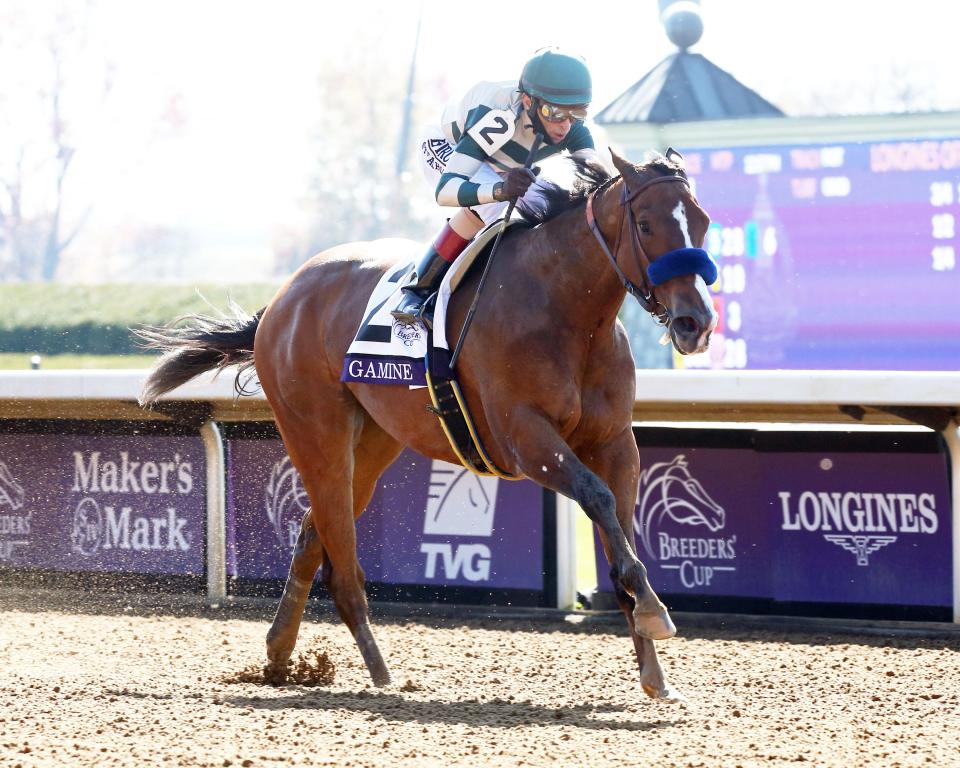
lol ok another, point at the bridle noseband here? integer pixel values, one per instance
(671, 264)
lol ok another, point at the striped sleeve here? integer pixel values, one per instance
(455, 187)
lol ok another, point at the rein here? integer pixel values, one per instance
(671, 264)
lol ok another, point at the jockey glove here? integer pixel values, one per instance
(515, 184)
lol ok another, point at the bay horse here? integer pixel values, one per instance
(546, 371)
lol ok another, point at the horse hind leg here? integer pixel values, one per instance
(342, 574)
(282, 636)
(339, 477)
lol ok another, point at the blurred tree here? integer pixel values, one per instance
(897, 88)
(355, 192)
(45, 54)
(55, 99)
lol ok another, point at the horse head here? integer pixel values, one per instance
(11, 492)
(667, 489)
(659, 249)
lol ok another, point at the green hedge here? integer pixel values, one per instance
(53, 319)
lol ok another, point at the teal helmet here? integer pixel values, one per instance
(559, 78)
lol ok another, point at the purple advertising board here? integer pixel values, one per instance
(696, 531)
(814, 242)
(859, 528)
(429, 523)
(795, 526)
(117, 504)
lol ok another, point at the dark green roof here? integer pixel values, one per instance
(686, 87)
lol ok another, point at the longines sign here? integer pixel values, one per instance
(94, 503)
(795, 526)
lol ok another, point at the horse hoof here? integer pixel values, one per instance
(654, 626)
(666, 693)
(276, 674)
(381, 678)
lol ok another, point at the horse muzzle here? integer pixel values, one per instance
(691, 330)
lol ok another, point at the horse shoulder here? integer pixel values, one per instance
(609, 385)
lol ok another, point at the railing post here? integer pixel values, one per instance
(216, 513)
(567, 511)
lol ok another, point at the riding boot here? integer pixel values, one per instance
(430, 271)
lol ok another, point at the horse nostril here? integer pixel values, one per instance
(686, 325)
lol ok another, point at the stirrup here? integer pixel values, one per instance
(416, 313)
(411, 314)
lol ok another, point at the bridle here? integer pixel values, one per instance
(645, 293)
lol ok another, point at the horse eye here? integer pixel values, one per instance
(644, 227)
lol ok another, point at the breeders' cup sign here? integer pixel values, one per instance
(122, 503)
(690, 525)
(428, 523)
(669, 492)
(286, 502)
(861, 527)
(14, 518)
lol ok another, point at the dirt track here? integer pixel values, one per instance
(118, 689)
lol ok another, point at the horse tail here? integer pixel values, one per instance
(195, 343)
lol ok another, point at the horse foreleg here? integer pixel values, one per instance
(653, 679)
(617, 466)
(282, 636)
(545, 457)
(619, 462)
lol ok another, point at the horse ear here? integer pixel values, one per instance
(624, 166)
(676, 158)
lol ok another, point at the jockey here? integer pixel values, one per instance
(476, 157)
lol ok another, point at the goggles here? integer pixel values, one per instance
(554, 113)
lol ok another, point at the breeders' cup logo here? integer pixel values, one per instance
(87, 531)
(861, 523)
(670, 494)
(408, 334)
(11, 492)
(14, 523)
(459, 503)
(286, 502)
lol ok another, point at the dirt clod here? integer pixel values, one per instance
(313, 667)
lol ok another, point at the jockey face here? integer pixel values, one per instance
(556, 119)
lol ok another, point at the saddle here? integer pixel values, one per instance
(474, 253)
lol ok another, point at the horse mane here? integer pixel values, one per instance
(590, 176)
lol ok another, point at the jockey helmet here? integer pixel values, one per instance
(557, 77)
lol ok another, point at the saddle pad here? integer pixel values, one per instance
(384, 351)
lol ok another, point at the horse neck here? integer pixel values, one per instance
(585, 278)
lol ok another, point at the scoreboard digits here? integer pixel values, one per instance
(821, 249)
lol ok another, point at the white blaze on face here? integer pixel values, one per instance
(680, 214)
(704, 291)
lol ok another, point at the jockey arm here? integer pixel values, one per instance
(455, 187)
